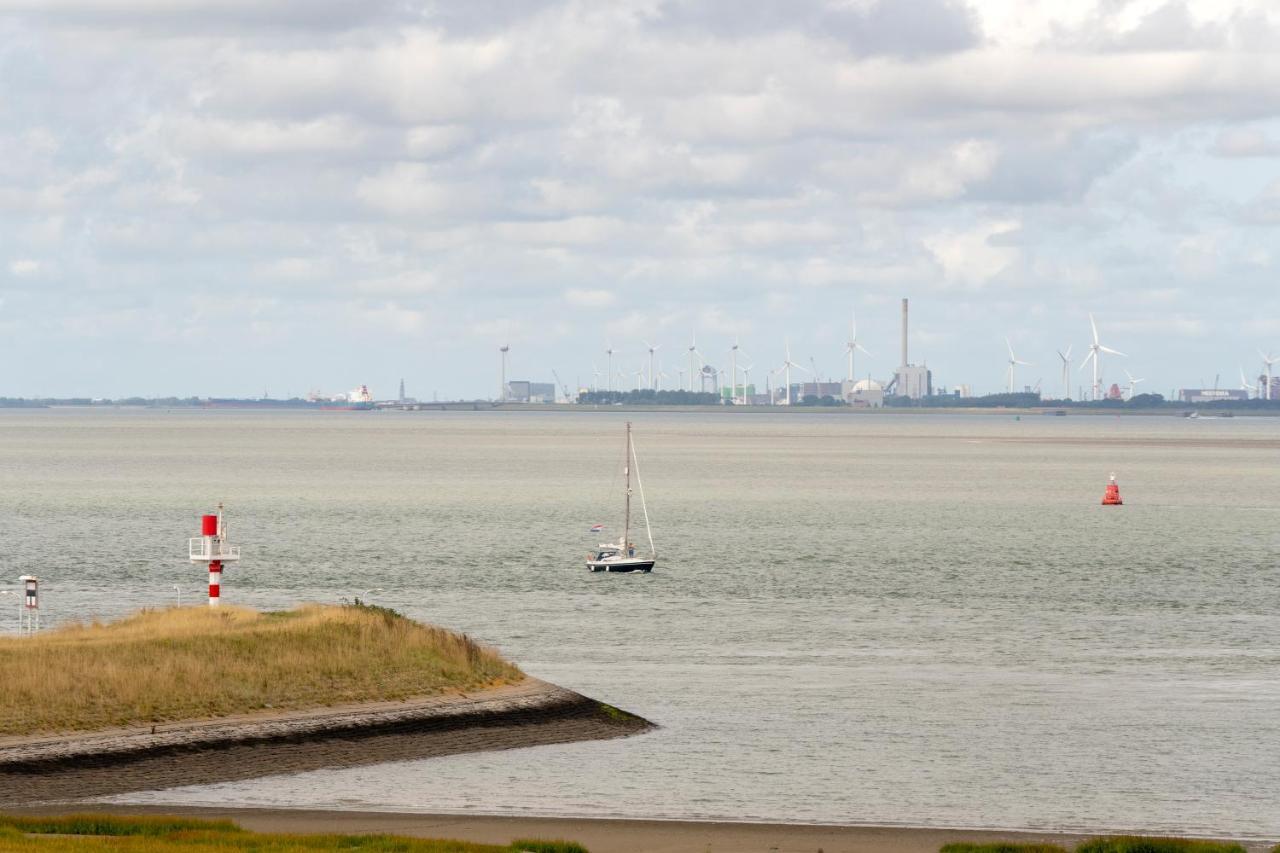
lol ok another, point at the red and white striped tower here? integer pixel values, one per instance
(211, 547)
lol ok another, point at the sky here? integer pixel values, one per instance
(243, 196)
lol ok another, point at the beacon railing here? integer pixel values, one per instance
(218, 550)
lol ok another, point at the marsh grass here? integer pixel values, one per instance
(1152, 844)
(1001, 847)
(529, 845)
(1111, 844)
(104, 824)
(89, 833)
(196, 662)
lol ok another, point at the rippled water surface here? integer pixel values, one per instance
(873, 619)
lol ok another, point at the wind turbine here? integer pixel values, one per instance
(1013, 363)
(1095, 355)
(733, 380)
(595, 377)
(854, 345)
(1268, 359)
(1244, 383)
(652, 376)
(639, 376)
(502, 389)
(693, 353)
(609, 351)
(786, 368)
(746, 380)
(1066, 372)
(1133, 382)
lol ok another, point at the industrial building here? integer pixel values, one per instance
(1211, 395)
(800, 390)
(521, 391)
(910, 380)
(863, 394)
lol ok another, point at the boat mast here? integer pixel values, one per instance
(626, 470)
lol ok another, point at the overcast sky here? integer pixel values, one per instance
(233, 196)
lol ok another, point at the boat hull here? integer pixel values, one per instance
(628, 565)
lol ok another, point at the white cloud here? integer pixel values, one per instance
(730, 166)
(972, 256)
(259, 137)
(589, 298)
(24, 267)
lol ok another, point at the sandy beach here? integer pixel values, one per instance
(530, 713)
(610, 836)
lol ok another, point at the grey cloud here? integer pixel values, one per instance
(204, 16)
(900, 27)
(482, 16)
(1244, 142)
(1037, 171)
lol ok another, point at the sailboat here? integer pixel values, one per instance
(623, 557)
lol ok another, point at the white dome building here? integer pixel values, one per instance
(864, 394)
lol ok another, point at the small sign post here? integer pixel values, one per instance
(29, 615)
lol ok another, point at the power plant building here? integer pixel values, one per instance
(801, 390)
(520, 391)
(910, 380)
(863, 394)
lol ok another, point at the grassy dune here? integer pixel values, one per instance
(88, 833)
(196, 662)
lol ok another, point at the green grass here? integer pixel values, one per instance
(188, 663)
(90, 833)
(530, 845)
(616, 713)
(1150, 844)
(102, 824)
(1111, 844)
(1002, 847)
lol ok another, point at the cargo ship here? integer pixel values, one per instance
(356, 400)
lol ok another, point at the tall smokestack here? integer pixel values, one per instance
(904, 332)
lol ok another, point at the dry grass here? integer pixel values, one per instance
(88, 833)
(196, 662)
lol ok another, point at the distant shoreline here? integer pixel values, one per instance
(610, 835)
(1207, 410)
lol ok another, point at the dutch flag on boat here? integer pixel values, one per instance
(597, 528)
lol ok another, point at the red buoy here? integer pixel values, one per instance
(1112, 496)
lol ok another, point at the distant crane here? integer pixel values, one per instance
(563, 387)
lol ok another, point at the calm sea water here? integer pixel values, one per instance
(922, 620)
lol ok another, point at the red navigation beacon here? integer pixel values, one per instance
(211, 547)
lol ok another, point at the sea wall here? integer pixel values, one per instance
(530, 713)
